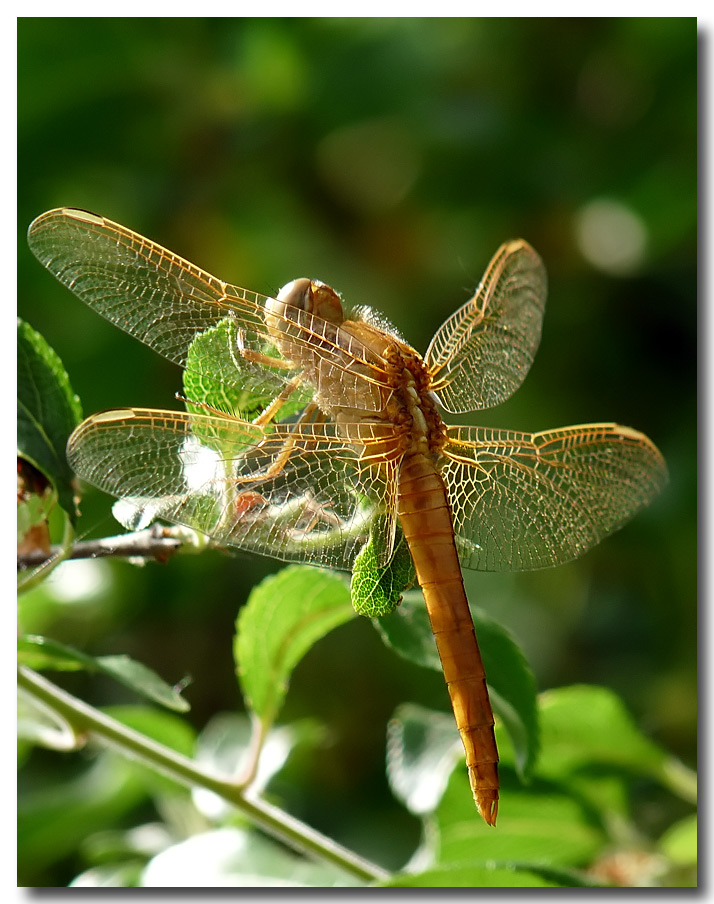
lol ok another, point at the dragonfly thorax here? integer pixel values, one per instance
(412, 407)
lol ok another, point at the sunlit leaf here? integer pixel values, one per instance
(167, 729)
(214, 354)
(233, 858)
(284, 616)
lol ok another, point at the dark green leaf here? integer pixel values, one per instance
(47, 412)
(284, 616)
(53, 820)
(510, 680)
(39, 652)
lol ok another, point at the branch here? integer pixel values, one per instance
(156, 542)
(85, 719)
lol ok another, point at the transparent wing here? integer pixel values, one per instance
(291, 492)
(482, 353)
(522, 501)
(165, 301)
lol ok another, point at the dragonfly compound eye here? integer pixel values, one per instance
(311, 296)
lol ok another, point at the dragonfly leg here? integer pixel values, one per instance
(284, 454)
(269, 413)
(257, 357)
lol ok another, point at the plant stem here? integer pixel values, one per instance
(152, 543)
(276, 822)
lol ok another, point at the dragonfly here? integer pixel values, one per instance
(327, 437)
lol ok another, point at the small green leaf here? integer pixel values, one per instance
(144, 681)
(215, 369)
(511, 682)
(377, 590)
(39, 652)
(47, 412)
(284, 616)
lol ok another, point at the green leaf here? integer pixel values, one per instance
(215, 369)
(470, 876)
(376, 589)
(284, 616)
(39, 652)
(584, 726)
(510, 680)
(165, 728)
(542, 825)
(47, 412)
(143, 680)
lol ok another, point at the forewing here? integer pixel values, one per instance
(294, 493)
(166, 302)
(523, 501)
(482, 353)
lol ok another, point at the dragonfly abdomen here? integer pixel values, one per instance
(426, 521)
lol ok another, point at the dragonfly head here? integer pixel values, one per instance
(311, 296)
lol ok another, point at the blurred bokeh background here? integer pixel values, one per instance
(390, 158)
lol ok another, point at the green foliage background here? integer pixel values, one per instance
(390, 158)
